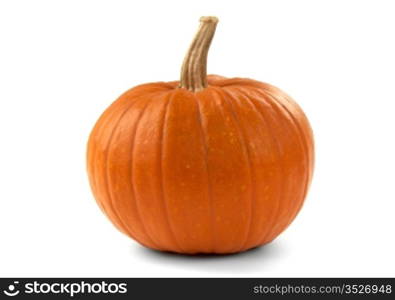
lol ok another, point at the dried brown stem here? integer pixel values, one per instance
(194, 67)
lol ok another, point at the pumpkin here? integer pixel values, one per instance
(206, 164)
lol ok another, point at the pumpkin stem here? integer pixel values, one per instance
(194, 67)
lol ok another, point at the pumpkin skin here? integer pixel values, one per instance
(220, 170)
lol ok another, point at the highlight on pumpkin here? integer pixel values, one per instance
(208, 164)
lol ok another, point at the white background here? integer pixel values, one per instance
(63, 62)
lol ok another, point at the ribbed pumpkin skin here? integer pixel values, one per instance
(221, 170)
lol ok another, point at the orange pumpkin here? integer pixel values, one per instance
(204, 165)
